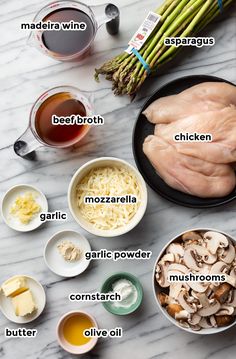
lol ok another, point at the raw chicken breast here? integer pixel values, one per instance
(188, 174)
(220, 124)
(204, 97)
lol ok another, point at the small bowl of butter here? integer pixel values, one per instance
(128, 293)
(22, 299)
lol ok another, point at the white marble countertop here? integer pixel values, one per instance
(25, 74)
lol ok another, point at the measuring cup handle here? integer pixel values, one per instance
(26, 145)
(108, 14)
(113, 25)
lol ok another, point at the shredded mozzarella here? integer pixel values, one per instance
(108, 181)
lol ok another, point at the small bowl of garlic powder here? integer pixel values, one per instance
(128, 288)
(64, 253)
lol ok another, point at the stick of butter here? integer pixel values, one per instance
(14, 286)
(24, 304)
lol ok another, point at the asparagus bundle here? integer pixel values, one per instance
(179, 18)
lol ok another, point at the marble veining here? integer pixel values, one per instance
(25, 74)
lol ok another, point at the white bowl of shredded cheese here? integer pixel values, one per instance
(107, 197)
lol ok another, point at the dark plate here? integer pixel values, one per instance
(143, 128)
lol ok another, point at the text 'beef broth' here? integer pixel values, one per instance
(61, 104)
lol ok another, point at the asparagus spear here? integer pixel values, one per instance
(135, 80)
(214, 12)
(179, 18)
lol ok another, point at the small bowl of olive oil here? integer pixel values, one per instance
(70, 332)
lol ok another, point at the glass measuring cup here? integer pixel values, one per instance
(99, 15)
(30, 140)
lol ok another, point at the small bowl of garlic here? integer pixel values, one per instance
(22, 206)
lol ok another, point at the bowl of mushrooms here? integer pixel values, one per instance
(205, 304)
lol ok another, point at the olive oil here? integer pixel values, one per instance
(74, 328)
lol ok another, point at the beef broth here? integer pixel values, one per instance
(61, 104)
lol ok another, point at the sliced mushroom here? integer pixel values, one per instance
(205, 268)
(183, 314)
(174, 272)
(176, 249)
(194, 294)
(232, 298)
(225, 310)
(203, 254)
(214, 241)
(228, 254)
(208, 322)
(191, 236)
(182, 299)
(163, 299)
(198, 287)
(184, 324)
(205, 323)
(219, 267)
(209, 310)
(190, 259)
(175, 289)
(178, 267)
(161, 275)
(222, 292)
(196, 327)
(194, 319)
(198, 295)
(169, 257)
(233, 272)
(209, 292)
(203, 300)
(173, 309)
(213, 321)
(186, 286)
(224, 320)
(191, 299)
(230, 280)
(213, 287)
